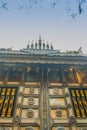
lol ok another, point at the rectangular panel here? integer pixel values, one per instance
(7, 101)
(56, 91)
(15, 74)
(31, 101)
(3, 72)
(31, 90)
(57, 102)
(30, 113)
(79, 100)
(69, 75)
(58, 113)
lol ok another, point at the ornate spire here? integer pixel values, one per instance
(32, 45)
(47, 46)
(40, 42)
(36, 45)
(43, 45)
(51, 47)
(28, 46)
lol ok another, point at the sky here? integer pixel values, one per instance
(20, 25)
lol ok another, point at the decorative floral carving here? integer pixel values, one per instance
(16, 120)
(31, 101)
(69, 105)
(72, 121)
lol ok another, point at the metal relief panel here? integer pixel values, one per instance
(55, 91)
(31, 101)
(58, 113)
(30, 113)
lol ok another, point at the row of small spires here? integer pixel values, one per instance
(40, 45)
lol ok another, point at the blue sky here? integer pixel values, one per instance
(17, 27)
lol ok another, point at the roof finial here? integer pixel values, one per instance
(47, 45)
(51, 46)
(28, 45)
(36, 44)
(80, 50)
(32, 45)
(40, 42)
(43, 45)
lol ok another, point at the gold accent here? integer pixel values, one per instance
(78, 77)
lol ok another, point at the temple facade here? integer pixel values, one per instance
(42, 88)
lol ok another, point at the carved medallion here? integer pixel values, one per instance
(58, 113)
(31, 101)
(30, 113)
(16, 120)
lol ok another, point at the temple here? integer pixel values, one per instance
(42, 88)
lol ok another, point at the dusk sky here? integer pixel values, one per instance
(18, 26)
